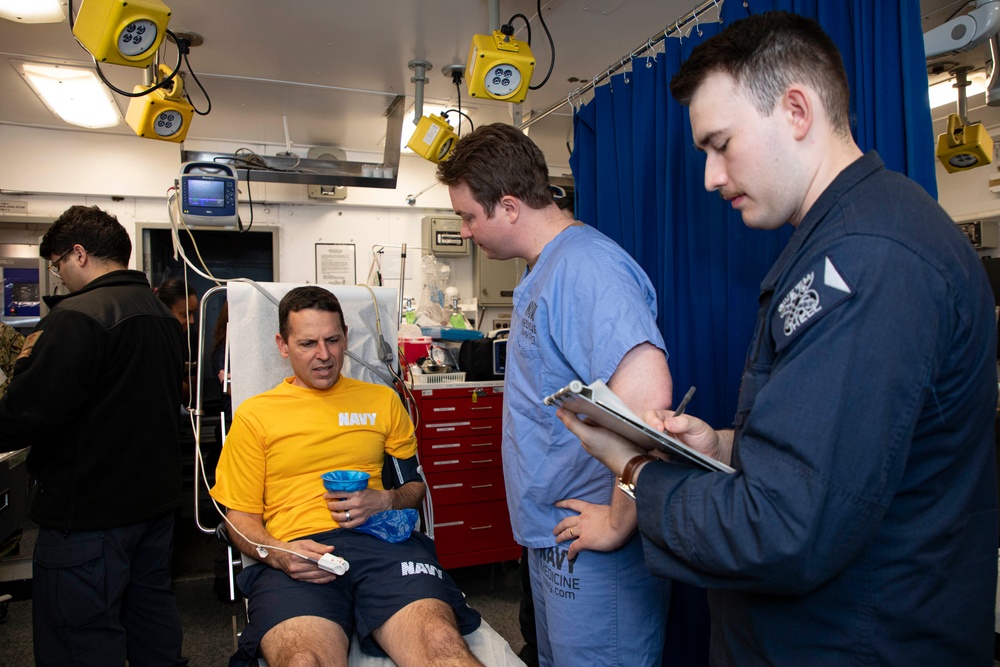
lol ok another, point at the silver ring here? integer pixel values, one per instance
(347, 514)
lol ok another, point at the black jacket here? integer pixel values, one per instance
(96, 394)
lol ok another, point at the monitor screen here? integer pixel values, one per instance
(210, 193)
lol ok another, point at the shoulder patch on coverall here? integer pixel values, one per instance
(820, 289)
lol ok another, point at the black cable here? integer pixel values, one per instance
(508, 29)
(204, 92)
(250, 198)
(552, 48)
(459, 111)
(168, 80)
(457, 79)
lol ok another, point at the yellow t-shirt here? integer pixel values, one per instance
(281, 441)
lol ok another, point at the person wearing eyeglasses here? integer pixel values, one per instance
(94, 394)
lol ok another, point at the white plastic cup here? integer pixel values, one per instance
(378, 172)
(367, 170)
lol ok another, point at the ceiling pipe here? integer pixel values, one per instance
(419, 78)
(493, 14)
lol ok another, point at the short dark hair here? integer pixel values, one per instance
(496, 161)
(765, 54)
(305, 298)
(97, 231)
(173, 291)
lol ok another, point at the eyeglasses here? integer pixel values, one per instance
(54, 266)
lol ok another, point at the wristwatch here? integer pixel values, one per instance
(625, 482)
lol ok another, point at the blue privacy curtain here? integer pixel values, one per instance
(639, 180)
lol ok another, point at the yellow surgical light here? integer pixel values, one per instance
(122, 32)
(964, 147)
(434, 139)
(163, 114)
(499, 67)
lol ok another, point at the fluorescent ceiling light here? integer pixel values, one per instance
(944, 92)
(33, 11)
(74, 94)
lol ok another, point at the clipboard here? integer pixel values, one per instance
(603, 407)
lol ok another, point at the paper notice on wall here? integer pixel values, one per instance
(335, 264)
(11, 206)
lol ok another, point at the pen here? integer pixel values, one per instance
(684, 402)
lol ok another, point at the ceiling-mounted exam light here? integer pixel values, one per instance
(122, 32)
(163, 114)
(499, 66)
(964, 147)
(434, 138)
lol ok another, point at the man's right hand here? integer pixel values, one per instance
(299, 568)
(693, 432)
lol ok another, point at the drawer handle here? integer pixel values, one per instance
(451, 486)
(443, 430)
(449, 525)
(480, 527)
(444, 409)
(485, 407)
(481, 461)
(480, 428)
(481, 444)
(478, 486)
(445, 463)
(448, 446)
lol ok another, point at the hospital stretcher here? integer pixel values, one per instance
(370, 315)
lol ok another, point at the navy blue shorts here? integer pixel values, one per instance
(382, 579)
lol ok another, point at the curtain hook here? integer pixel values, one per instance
(697, 25)
(677, 28)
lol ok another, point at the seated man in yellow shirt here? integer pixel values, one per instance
(394, 595)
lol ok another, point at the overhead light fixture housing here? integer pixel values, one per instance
(964, 147)
(33, 11)
(434, 138)
(74, 94)
(499, 67)
(122, 32)
(163, 114)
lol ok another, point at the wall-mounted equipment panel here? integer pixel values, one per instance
(496, 279)
(983, 234)
(442, 236)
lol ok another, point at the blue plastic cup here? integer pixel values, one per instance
(345, 480)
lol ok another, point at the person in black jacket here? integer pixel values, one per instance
(94, 394)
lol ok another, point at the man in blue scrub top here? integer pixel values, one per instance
(583, 310)
(860, 526)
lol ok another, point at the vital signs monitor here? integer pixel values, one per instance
(208, 194)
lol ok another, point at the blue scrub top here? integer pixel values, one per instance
(577, 312)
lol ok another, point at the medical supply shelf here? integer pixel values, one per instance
(459, 443)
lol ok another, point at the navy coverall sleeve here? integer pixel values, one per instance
(824, 448)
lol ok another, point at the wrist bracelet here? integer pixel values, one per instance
(625, 482)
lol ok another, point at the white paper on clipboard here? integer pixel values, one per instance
(603, 406)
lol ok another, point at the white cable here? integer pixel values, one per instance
(259, 546)
(179, 251)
